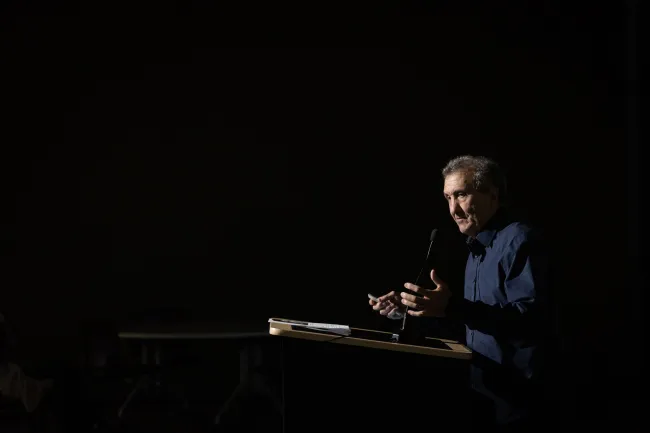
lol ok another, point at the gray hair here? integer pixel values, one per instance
(486, 172)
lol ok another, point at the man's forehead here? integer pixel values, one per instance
(457, 181)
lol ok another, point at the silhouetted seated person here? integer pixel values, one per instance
(14, 384)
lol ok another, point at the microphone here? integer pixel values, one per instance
(432, 238)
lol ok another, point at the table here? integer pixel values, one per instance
(153, 336)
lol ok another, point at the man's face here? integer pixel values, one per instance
(469, 208)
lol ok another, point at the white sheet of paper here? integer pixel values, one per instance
(330, 327)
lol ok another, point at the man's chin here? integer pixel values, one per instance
(466, 229)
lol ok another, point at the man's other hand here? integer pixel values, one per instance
(430, 303)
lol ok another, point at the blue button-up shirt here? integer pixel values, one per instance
(505, 302)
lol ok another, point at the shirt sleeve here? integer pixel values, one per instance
(526, 274)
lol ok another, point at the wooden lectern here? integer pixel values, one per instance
(367, 380)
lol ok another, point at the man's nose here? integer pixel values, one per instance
(453, 207)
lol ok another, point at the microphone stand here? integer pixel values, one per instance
(417, 280)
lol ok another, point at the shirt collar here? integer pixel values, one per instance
(484, 237)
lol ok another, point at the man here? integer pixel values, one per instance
(505, 303)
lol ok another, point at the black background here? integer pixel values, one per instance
(239, 160)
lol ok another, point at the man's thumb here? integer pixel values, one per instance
(436, 279)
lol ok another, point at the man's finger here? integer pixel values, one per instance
(413, 287)
(386, 296)
(420, 300)
(415, 313)
(411, 304)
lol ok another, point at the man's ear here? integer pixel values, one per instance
(494, 193)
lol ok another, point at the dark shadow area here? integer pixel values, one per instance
(172, 163)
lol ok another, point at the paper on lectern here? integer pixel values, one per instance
(328, 327)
